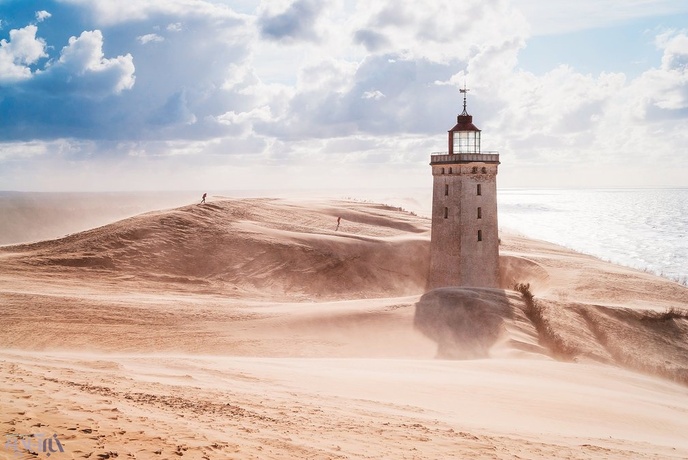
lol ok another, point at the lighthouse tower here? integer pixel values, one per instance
(464, 239)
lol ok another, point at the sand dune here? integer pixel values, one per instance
(254, 328)
(264, 247)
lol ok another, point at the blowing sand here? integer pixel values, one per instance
(254, 328)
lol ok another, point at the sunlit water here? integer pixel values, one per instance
(640, 228)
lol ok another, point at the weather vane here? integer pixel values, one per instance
(464, 91)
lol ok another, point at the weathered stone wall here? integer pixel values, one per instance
(458, 258)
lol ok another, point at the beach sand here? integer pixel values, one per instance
(254, 329)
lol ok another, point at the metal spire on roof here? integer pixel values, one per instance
(464, 91)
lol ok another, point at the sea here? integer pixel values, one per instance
(645, 229)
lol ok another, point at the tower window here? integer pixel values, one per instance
(484, 170)
(480, 235)
(446, 189)
(479, 190)
(474, 170)
(446, 212)
(450, 170)
(480, 213)
(442, 170)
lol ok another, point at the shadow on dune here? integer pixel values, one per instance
(465, 322)
(648, 341)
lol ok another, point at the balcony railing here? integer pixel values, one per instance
(444, 157)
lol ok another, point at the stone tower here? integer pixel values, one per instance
(464, 240)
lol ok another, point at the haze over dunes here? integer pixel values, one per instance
(253, 328)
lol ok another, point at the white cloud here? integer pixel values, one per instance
(84, 57)
(661, 94)
(42, 15)
(19, 53)
(242, 123)
(174, 27)
(675, 47)
(143, 39)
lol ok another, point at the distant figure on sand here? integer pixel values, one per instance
(203, 199)
(339, 220)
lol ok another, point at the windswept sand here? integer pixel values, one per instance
(253, 329)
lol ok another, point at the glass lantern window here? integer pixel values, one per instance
(467, 142)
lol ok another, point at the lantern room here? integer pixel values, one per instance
(464, 137)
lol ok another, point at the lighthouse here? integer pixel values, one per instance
(464, 248)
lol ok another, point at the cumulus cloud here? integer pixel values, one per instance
(19, 53)
(58, 96)
(97, 86)
(84, 58)
(80, 66)
(675, 47)
(242, 124)
(662, 93)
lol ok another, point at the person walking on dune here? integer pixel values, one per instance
(339, 220)
(203, 199)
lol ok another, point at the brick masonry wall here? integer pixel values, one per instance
(457, 257)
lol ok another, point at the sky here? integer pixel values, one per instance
(105, 95)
